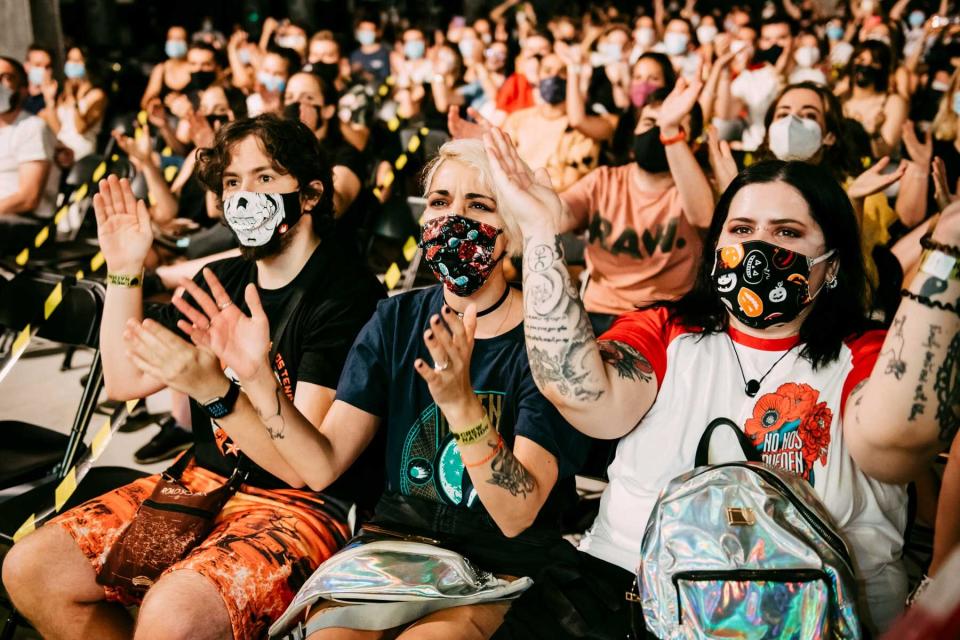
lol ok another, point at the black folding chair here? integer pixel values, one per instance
(29, 452)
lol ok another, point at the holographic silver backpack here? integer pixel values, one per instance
(744, 550)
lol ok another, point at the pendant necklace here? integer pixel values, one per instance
(752, 387)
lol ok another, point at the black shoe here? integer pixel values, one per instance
(165, 445)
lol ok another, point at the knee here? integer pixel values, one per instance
(27, 567)
(183, 606)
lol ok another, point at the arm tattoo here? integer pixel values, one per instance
(628, 362)
(947, 387)
(557, 329)
(919, 395)
(507, 473)
(896, 365)
(275, 433)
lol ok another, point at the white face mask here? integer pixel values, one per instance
(6, 98)
(706, 33)
(807, 56)
(676, 43)
(646, 36)
(795, 138)
(256, 217)
(738, 45)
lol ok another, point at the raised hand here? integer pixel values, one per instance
(201, 133)
(241, 342)
(123, 226)
(678, 104)
(941, 187)
(450, 343)
(721, 159)
(873, 180)
(139, 148)
(529, 194)
(920, 152)
(460, 128)
(164, 356)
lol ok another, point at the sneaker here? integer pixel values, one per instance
(171, 440)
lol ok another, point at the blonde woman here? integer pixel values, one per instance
(477, 459)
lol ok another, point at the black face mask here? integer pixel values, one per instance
(769, 55)
(200, 80)
(866, 76)
(649, 152)
(328, 72)
(292, 112)
(213, 119)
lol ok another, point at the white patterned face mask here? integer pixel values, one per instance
(257, 217)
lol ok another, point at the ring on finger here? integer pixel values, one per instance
(440, 366)
(224, 305)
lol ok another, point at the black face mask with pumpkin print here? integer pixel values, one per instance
(763, 284)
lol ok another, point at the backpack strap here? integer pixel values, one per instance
(703, 448)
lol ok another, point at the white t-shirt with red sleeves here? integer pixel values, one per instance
(794, 421)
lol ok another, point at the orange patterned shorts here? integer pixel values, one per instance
(264, 544)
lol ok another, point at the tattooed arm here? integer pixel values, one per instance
(910, 407)
(602, 391)
(512, 484)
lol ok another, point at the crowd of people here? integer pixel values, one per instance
(640, 222)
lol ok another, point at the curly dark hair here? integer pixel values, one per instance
(837, 313)
(291, 146)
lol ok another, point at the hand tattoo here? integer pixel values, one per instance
(628, 362)
(507, 473)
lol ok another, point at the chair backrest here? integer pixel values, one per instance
(82, 170)
(396, 221)
(76, 319)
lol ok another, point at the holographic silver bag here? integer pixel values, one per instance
(388, 583)
(744, 550)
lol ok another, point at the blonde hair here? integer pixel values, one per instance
(945, 123)
(472, 154)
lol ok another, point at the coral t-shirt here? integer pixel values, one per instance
(641, 247)
(795, 422)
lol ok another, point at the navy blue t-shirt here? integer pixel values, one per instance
(422, 459)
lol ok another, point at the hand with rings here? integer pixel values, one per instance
(449, 341)
(241, 342)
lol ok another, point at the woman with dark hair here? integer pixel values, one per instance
(75, 112)
(651, 71)
(806, 123)
(871, 101)
(774, 336)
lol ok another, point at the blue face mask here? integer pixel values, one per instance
(270, 82)
(414, 49)
(366, 37)
(244, 56)
(74, 70)
(916, 18)
(36, 75)
(175, 49)
(956, 103)
(834, 32)
(676, 43)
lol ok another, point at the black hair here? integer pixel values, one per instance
(880, 54)
(292, 57)
(39, 47)
(291, 146)
(18, 70)
(204, 46)
(780, 18)
(839, 158)
(837, 313)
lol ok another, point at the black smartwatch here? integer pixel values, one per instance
(220, 407)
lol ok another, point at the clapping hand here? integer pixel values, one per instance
(242, 342)
(450, 343)
(678, 104)
(164, 356)
(530, 194)
(123, 226)
(873, 180)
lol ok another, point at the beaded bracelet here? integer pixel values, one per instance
(929, 302)
(927, 242)
(489, 457)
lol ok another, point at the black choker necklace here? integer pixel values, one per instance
(752, 386)
(491, 309)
